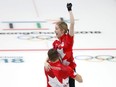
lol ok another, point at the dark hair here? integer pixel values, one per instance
(53, 55)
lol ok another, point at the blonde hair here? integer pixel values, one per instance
(63, 26)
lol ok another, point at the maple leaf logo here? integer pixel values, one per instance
(53, 82)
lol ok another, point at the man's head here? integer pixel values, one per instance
(53, 55)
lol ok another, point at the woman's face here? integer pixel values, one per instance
(58, 31)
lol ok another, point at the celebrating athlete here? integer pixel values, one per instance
(58, 75)
(64, 44)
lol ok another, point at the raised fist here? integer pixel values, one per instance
(69, 6)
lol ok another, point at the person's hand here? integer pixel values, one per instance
(47, 66)
(78, 78)
(56, 44)
(69, 6)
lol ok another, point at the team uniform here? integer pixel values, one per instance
(64, 47)
(59, 74)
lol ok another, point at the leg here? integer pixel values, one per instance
(71, 82)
